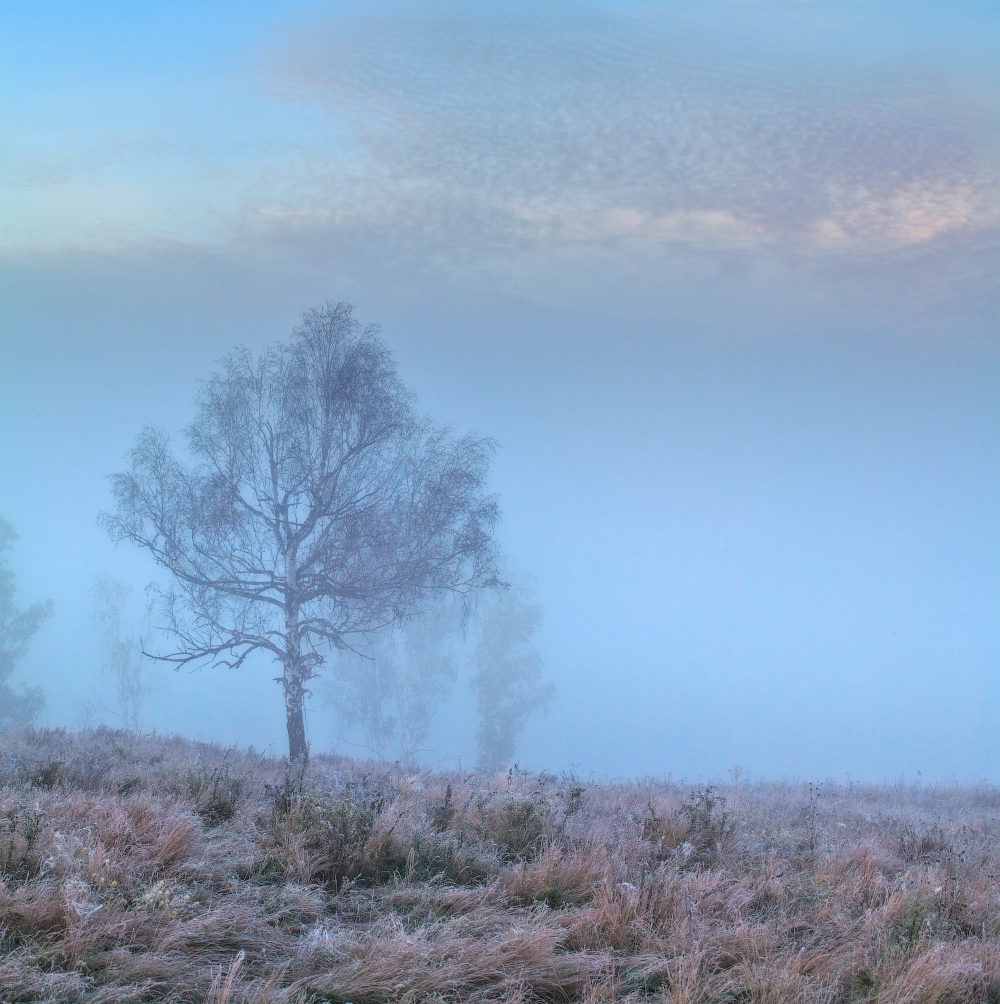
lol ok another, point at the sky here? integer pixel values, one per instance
(720, 278)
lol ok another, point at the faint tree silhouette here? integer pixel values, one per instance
(124, 661)
(17, 628)
(507, 673)
(392, 686)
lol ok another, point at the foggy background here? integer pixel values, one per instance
(720, 278)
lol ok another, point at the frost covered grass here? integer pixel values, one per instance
(150, 868)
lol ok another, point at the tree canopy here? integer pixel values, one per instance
(315, 505)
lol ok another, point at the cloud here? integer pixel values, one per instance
(546, 129)
(911, 215)
(571, 149)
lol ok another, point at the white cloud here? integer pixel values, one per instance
(911, 215)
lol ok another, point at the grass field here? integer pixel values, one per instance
(150, 868)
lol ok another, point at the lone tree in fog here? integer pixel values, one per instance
(316, 506)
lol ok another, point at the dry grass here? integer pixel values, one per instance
(135, 869)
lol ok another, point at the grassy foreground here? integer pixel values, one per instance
(149, 868)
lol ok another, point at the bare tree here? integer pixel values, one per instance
(507, 673)
(316, 505)
(17, 628)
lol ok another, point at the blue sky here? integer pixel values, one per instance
(721, 278)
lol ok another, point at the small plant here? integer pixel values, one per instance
(815, 791)
(638, 981)
(331, 837)
(652, 822)
(863, 982)
(448, 859)
(160, 896)
(572, 795)
(285, 795)
(707, 824)
(921, 919)
(443, 814)
(572, 799)
(216, 792)
(666, 831)
(47, 776)
(20, 827)
(915, 847)
(733, 995)
(514, 823)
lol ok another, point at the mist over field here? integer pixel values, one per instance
(719, 278)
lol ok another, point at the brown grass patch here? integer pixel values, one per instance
(154, 869)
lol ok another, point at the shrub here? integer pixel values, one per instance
(449, 859)
(665, 830)
(328, 837)
(514, 823)
(707, 824)
(216, 793)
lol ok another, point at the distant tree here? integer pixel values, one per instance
(431, 670)
(317, 506)
(507, 673)
(391, 687)
(17, 628)
(363, 688)
(124, 662)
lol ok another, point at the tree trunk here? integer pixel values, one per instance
(292, 681)
(294, 716)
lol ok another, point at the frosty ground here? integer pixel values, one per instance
(142, 868)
